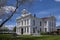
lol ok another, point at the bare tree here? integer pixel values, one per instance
(7, 17)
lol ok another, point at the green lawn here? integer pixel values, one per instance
(11, 37)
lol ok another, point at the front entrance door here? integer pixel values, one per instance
(21, 30)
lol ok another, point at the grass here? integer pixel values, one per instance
(11, 37)
(41, 37)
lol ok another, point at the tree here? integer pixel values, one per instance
(14, 29)
(6, 17)
(4, 29)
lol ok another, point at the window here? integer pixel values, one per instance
(27, 21)
(33, 22)
(45, 23)
(52, 29)
(52, 24)
(33, 30)
(27, 29)
(18, 30)
(40, 24)
(22, 22)
(40, 29)
(18, 23)
(45, 29)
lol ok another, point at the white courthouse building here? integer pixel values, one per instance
(28, 24)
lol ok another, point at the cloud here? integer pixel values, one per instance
(58, 24)
(40, 0)
(10, 27)
(9, 9)
(0, 19)
(49, 11)
(57, 20)
(44, 12)
(6, 9)
(57, 0)
(58, 17)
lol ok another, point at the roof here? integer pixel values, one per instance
(25, 13)
(23, 16)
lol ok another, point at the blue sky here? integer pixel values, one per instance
(42, 8)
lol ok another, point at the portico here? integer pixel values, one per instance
(24, 30)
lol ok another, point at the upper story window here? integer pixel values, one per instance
(21, 22)
(40, 23)
(18, 23)
(33, 22)
(27, 21)
(51, 23)
(45, 23)
(33, 30)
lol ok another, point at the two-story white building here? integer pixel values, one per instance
(28, 24)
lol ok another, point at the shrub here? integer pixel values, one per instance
(44, 33)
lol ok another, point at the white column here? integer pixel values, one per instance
(23, 22)
(26, 30)
(29, 30)
(20, 23)
(20, 30)
(29, 21)
(47, 26)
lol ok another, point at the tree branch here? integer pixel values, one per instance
(10, 16)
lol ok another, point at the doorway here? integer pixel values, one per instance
(21, 30)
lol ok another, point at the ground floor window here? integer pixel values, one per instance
(18, 30)
(45, 29)
(27, 29)
(33, 30)
(40, 29)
